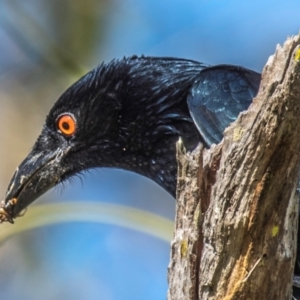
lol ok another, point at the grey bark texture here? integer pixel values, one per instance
(237, 206)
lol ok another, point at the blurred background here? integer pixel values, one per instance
(101, 249)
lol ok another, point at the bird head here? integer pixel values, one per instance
(125, 114)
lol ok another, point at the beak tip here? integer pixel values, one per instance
(6, 211)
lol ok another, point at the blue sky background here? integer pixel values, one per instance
(98, 261)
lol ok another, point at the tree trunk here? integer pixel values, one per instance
(237, 206)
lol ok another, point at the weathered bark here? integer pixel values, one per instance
(237, 206)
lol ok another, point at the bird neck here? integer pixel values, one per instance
(155, 160)
(147, 140)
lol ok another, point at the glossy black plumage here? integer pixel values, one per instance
(129, 114)
(218, 95)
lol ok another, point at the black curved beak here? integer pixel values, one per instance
(40, 171)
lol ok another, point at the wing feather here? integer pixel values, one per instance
(218, 95)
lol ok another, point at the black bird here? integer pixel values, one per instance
(129, 114)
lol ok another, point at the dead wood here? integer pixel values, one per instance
(237, 206)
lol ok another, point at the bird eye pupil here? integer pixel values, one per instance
(65, 126)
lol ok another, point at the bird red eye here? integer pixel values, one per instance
(66, 124)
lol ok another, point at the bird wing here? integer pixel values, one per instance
(218, 95)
